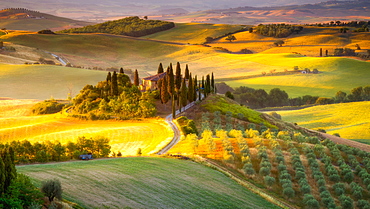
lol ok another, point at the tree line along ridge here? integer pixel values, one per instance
(130, 26)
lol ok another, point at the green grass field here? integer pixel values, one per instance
(44, 81)
(90, 50)
(193, 33)
(350, 120)
(336, 74)
(145, 183)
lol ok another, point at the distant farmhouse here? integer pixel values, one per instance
(151, 82)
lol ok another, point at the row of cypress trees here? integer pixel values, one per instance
(183, 89)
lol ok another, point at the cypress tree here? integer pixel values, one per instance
(213, 90)
(114, 85)
(170, 82)
(187, 72)
(203, 87)
(121, 71)
(195, 88)
(160, 68)
(178, 76)
(184, 94)
(109, 78)
(2, 176)
(199, 94)
(164, 91)
(208, 84)
(190, 96)
(173, 107)
(136, 78)
(9, 168)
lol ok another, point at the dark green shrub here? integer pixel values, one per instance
(47, 107)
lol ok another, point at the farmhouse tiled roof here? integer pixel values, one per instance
(155, 77)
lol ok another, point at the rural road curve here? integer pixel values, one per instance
(176, 130)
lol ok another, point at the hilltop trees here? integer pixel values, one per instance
(114, 96)
(230, 38)
(279, 43)
(277, 30)
(130, 26)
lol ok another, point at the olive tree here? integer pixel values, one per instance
(52, 189)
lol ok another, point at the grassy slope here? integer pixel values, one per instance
(43, 81)
(350, 120)
(145, 183)
(48, 22)
(193, 33)
(336, 74)
(98, 50)
(222, 104)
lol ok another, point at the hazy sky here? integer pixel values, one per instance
(103, 8)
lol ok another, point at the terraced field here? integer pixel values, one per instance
(350, 120)
(144, 182)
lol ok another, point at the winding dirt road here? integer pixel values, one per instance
(176, 130)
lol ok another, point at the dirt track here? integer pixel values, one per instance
(348, 142)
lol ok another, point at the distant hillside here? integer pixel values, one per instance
(130, 26)
(306, 13)
(24, 19)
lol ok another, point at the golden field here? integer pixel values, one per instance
(350, 120)
(125, 136)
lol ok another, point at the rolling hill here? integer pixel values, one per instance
(336, 73)
(350, 120)
(24, 19)
(293, 12)
(44, 81)
(145, 183)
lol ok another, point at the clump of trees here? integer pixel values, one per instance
(116, 96)
(42, 152)
(47, 107)
(130, 26)
(277, 30)
(259, 98)
(187, 126)
(344, 52)
(46, 32)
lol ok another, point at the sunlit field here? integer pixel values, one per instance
(193, 33)
(350, 120)
(44, 81)
(144, 182)
(125, 136)
(336, 74)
